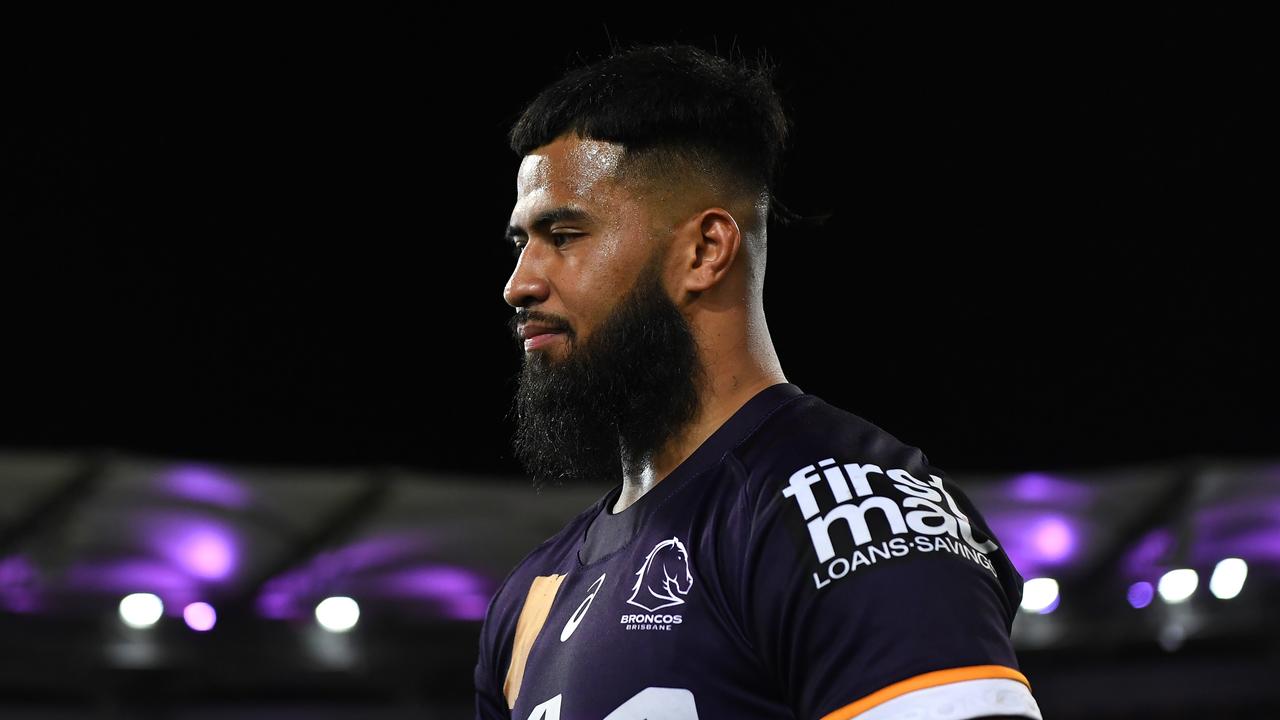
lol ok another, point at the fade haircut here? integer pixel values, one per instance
(681, 114)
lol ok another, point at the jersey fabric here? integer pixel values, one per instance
(802, 563)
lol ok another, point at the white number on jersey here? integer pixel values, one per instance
(648, 704)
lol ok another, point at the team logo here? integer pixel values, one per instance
(664, 574)
(578, 614)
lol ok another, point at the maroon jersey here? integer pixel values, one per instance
(801, 563)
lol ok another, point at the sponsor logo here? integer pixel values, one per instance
(578, 614)
(921, 517)
(660, 582)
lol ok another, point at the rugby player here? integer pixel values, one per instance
(761, 553)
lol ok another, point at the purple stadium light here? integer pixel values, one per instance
(1248, 528)
(1259, 547)
(15, 572)
(19, 601)
(279, 606)
(131, 575)
(430, 581)
(467, 607)
(202, 547)
(1036, 541)
(291, 594)
(1141, 594)
(1053, 539)
(200, 616)
(374, 552)
(207, 555)
(287, 596)
(1148, 556)
(206, 484)
(18, 585)
(460, 594)
(1039, 488)
(390, 565)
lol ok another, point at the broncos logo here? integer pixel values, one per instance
(665, 569)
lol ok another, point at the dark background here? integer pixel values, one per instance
(276, 238)
(273, 237)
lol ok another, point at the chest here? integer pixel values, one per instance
(640, 633)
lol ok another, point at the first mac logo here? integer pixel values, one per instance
(924, 511)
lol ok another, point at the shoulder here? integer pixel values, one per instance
(840, 492)
(807, 432)
(861, 566)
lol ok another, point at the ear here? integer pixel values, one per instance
(713, 242)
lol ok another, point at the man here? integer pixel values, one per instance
(761, 554)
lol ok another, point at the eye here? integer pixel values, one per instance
(557, 240)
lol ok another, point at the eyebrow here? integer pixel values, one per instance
(548, 218)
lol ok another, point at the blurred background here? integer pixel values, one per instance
(254, 447)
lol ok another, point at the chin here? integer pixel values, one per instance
(556, 350)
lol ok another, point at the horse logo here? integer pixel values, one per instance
(665, 569)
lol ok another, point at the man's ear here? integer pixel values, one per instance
(713, 241)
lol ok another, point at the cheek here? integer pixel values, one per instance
(591, 283)
(592, 288)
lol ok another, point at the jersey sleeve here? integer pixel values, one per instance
(871, 589)
(490, 702)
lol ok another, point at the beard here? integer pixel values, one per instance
(604, 407)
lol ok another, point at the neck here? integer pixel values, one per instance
(730, 385)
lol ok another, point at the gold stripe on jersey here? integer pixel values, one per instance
(537, 604)
(926, 680)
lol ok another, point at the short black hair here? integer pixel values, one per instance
(665, 103)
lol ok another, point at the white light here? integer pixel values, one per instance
(337, 614)
(1178, 585)
(1228, 578)
(141, 610)
(1040, 595)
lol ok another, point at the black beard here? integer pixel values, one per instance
(633, 384)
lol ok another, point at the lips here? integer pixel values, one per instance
(531, 330)
(536, 335)
(537, 341)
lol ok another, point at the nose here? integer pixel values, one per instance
(528, 283)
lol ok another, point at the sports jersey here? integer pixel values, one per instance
(800, 563)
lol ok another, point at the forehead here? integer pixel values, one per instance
(568, 170)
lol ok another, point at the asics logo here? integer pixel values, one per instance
(578, 614)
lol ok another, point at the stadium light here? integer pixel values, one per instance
(1141, 594)
(1040, 595)
(1228, 578)
(337, 614)
(200, 616)
(1178, 585)
(141, 610)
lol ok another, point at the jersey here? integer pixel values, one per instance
(800, 563)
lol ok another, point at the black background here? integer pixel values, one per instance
(276, 238)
